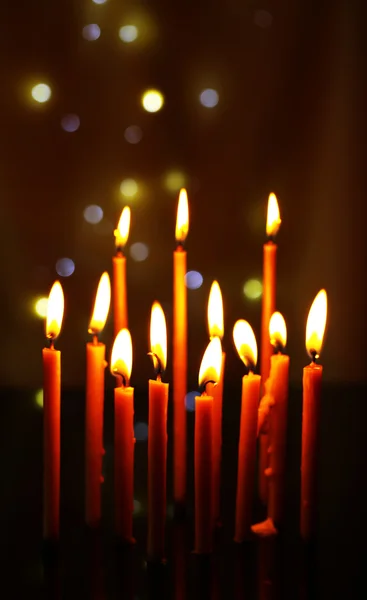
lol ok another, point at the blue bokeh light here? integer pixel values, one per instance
(70, 123)
(193, 280)
(190, 400)
(141, 431)
(93, 214)
(65, 267)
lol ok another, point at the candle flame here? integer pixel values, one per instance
(273, 220)
(277, 330)
(245, 342)
(158, 337)
(211, 363)
(123, 228)
(215, 312)
(316, 323)
(101, 305)
(182, 221)
(55, 311)
(122, 356)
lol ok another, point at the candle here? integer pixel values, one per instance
(268, 307)
(180, 352)
(94, 404)
(216, 329)
(157, 437)
(121, 364)
(209, 374)
(312, 375)
(119, 272)
(246, 346)
(51, 415)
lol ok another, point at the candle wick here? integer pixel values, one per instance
(179, 246)
(314, 356)
(119, 251)
(51, 343)
(202, 388)
(157, 365)
(95, 339)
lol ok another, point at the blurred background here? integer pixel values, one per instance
(108, 103)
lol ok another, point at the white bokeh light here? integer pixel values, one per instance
(99, 1)
(209, 98)
(193, 280)
(91, 32)
(139, 251)
(128, 33)
(129, 188)
(93, 214)
(41, 92)
(152, 101)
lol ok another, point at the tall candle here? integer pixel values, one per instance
(268, 307)
(209, 374)
(246, 346)
(216, 329)
(51, 415)
(121, 364)
(157, 438)
(312, 375)
(180, 352)
(94, 405)
(119, 272)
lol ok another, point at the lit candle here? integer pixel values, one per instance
(246, 346)
(268, 307)
(119, 272)
(51, 414)
(94, 404)
(209, 374)
(121, 365)
(312, 375)
(216, 329)
(180, 352)
(157, 437)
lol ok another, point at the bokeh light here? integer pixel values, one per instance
(41, 92)
(263, 18)
(129, 188)
(40, 307)
(209, 98)
(38, 398)
(253, 289)
(190, 400)
(128, 33)
(141, 431)
(193, 280)
(137, 507)
(65, 267)
(139, 251)
(152, 101)
(70, 123)
(133, 134)
(99, 1)
(93, 214)
(174, 181)
(91, 32)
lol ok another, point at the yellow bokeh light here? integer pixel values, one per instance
(129, 188)
(152, 101)
(38, 398)
(175, 180)
(41, 92)
(253, 289)
(40, 307)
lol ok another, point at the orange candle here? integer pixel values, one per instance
(209, 374)
(121, 364)
(245, 343)
(157, 438)
(119, 272)
(180, 352)
(312, 375)
(268, 307)
(279, 382)
(216, 329)
(51, 415)
(94, 404)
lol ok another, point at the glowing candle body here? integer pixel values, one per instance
(119, 292)
(124, 462)
(247, 455)
(94, 432)
(217, 441)
(279, 379)
(312, 376)
(203, 473)
(268, 307)
(179, 374)
(51, 440)
(157, 467)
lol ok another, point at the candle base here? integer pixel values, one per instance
(265, 528)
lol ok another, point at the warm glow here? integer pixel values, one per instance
(123, 228)
(245, 342)
(101, 305)
(182, 221)
(122, 356)
(152, 101)
(277, 330)
(215, 312)
(40, 307)
(55, 311)
(316, 323)
(158, 337)
(211, 363)
(273, 220)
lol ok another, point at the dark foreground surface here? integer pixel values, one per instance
(93, 566)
